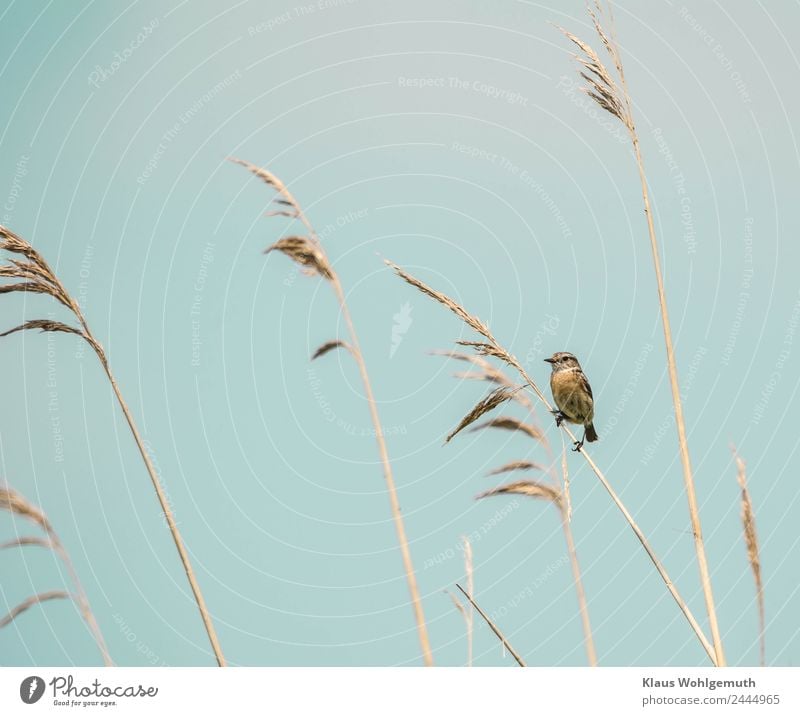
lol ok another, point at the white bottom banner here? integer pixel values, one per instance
(401, 691)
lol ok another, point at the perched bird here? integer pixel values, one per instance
(573, 395)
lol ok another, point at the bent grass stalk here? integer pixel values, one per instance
(493, 627)
(613, 96)
(309, 252)
(34, 275)
(475, 323)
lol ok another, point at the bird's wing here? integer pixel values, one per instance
(586, 385)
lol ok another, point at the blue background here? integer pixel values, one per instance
(500, 184)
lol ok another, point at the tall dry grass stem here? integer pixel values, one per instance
(469, 570)
(468, 614)
(613, 96)
(753, 552)
(512, 361)
(566, 519)
(309, 252)
(34, 275)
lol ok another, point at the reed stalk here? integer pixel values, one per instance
(36, 276)
(309, 252)
(613, 96)
(565, 505)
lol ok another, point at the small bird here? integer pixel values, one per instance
(573, 395)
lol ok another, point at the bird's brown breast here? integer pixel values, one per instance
(571, 396)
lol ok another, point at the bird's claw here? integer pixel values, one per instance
(559, 417)
(578, 445)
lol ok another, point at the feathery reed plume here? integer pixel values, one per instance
(13, 502)
(25, 542)
(327, 347)
(529, 488)
(613, 96)
(493, 627)
(515, 465)
(36, 276)
(513, 362)
(508, 423)
(303, 251)
(31, 601)
(308, 251)
(484, 349)
(751, 542)
(472, 321)
(487, 373)
(497, 397)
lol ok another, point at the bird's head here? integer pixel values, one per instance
(562, 361)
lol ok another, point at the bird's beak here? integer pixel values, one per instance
(549, 360)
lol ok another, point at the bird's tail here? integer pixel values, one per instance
(591, 434)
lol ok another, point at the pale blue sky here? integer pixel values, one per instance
(450, 138)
